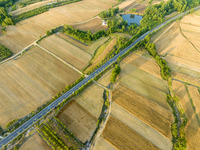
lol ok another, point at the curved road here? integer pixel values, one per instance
(31, 121)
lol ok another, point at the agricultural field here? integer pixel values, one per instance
(80, 115)
(145, 73)
(93, 25)
(146, 110)
(190, 103)
(30, 7)
(123, 137)
(66, 51)
(102, 52)
(174, 44)
(88, 48)
(35, 142)
(30, 81)
(27, 31)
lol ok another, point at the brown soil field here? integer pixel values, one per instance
(30, 7)
(123, 137)
(66, 51)
(88, 48)
(27, 31)
(35, 142)
(28, 82)
(93, 25)
(126, 4)
(192, 128)
(143, 72)
(78, 120)
(102, 52)
(102, 144)
(91, 99)
(146, 110)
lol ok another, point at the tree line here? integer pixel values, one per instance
(83, 36)
(109, 13)
(40, 10)
(115, 73)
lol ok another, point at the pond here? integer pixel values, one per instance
(130, 18)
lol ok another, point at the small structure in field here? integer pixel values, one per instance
(104, 23)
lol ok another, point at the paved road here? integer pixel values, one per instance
(31, 121)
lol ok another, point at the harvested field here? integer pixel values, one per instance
(146, 110)
(140, 127)
(192, 127)
(195, 95)
(93, 25)
(143, 72)
(179, 46)
(91, 99)
(103, 144)
(27, 31)
(126, 5)
(105, 79)
(90, 48)
(123, 137)
(28, 82)
(102, 52)
(66, 51)
(35, 142)
(78, 120)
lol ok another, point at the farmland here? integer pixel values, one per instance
(66, 51)
(27, 31)
(93, 25)
(80, 116)
(123, 137)
(145, 73)
(30, 81)
(88, 48)
(191, 107)
(102, 52)
(35, 142)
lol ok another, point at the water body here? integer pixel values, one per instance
(130, 18)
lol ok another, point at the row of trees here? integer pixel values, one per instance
(109, 13)
(83, 36)
(7, 3)
(115, 73)
(40, 10)
(165, 71)
(28, 2)
(52, 137)
(4, 52)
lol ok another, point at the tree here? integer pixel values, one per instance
(48, 33)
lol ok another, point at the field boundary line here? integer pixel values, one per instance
(163, 32)
(179, 25)
(66, 63)
(104, 123)
(72, 43)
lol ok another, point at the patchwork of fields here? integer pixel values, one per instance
(30, 81)
(27, 31)
(80, 116)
